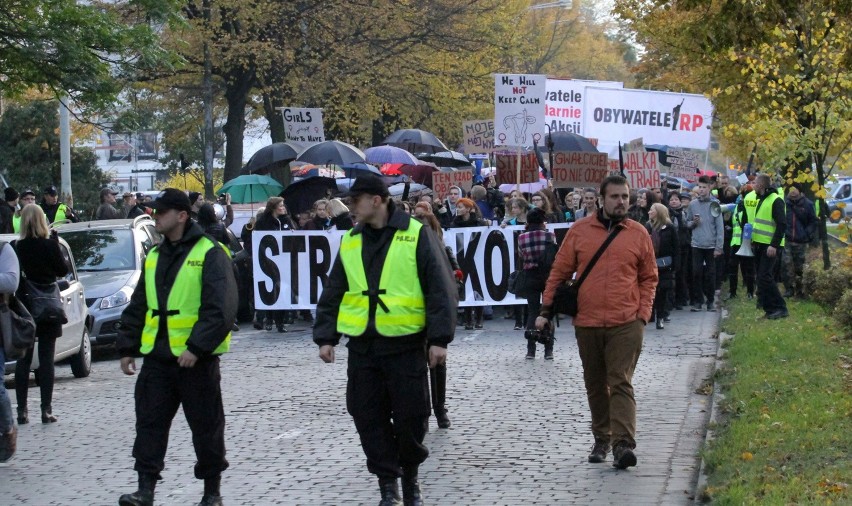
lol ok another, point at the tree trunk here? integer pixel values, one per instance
(271, 103)
(823, 216)
(236, 94)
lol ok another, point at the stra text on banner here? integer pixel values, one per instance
(291, 267)
(507, 172)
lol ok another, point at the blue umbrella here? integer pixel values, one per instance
(381, 155)
(353, 170)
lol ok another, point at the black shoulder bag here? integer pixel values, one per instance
(565, 298)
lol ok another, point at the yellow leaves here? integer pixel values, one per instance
(836, 214)
(831, 487)
(747, 456)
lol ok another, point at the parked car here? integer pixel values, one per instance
(109, 256)
(74, 343)
(838, 192)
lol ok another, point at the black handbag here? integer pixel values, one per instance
(16, 326)
(44, 301)
(566, 295)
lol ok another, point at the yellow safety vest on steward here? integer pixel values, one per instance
(16, 223)
(401, 306)
(737, 231)
(183, 302)
(763, 225)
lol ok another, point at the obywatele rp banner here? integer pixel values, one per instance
(291, 267)
(565, 103)
(670, 119)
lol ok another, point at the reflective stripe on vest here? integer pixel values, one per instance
(183, 302)
(763, 225)
(400, 304)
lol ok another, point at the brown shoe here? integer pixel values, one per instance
(8, 444)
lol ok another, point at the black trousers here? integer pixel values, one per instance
(683, 277)
(744, 264)
(703, 276)
(768, 295)
(161, 388)
(46, 373)
(388, 398)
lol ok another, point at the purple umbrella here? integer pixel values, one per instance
(381, 155)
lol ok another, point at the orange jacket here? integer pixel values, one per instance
(620, 288)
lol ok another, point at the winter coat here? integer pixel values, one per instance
(667, 245)
(626, 272)
(801, 220)
(42, 262)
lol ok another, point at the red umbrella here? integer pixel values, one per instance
(420, 173)
(391, 169)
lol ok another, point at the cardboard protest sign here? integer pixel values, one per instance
(442, 181)
(683, 163)
(507, 168)
(579, 169)
(292, 267)
(303, 125)
(519, 109)
(478, 136)
(640, 166)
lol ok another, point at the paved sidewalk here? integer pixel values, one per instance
(520, 431)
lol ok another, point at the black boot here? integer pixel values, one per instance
(411, 495)
(438, 380)
(212, 496)
(46, 415)
(23, 416)
(142, 497)
(660, 323)
(390, 492)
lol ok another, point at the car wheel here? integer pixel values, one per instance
(81, 363)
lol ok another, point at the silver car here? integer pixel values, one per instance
(74, 343)
(109, 256)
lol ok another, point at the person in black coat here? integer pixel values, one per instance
(680, 295)
(466, 216)
(667, 251)
(7, 210)
(339, 215)
(41, 262)
(274, 217)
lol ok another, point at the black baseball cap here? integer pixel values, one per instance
(171, 198)
(685, 195)
(371, 185)
(27, 192)
(51, 190)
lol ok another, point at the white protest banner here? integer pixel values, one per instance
(564, 104)
(291, 267)
(519, 109)
(579, 169)
(671, 119)
(303, 125)
(507, 168)
(478, 136)
(442, 181)
(683, 163)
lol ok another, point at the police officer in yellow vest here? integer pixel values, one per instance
(54, 210)
(391, 293)
(27, 197)
(179, 318)
(769, 223)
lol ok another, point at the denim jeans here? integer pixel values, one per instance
(6, 420)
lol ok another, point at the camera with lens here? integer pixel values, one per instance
(540, 336)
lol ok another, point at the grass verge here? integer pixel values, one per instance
(785, 431)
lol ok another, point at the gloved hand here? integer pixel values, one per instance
(459, 274)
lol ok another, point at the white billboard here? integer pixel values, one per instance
(671, 119)
(565, 102)
(518, 109)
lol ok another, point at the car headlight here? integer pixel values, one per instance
(119, 298)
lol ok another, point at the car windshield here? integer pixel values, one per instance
(102, 250)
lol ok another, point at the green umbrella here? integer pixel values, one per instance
(251, 188)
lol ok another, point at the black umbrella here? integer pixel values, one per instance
(448, 159)
(301, 195)
(260, 162)
(332, 153)
(415, 141)
(567, 141)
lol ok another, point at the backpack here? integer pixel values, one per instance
(546, 261)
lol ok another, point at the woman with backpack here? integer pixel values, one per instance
(537, 247)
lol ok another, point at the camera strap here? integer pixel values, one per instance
(597, 256)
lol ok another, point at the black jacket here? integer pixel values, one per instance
(268, 222)
(343, 222)
(667, 246)
(42, 262)
(135, 211)
(436, 281)
(471, 221)
(218, 300)
(50, 212)
(801, 220)
(6, 213)
(683, 232)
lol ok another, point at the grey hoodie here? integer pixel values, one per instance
(710, 232)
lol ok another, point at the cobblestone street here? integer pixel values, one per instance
(520, 432)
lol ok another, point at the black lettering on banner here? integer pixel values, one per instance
(496, 240)
(318, 269)
(270, 269)
(466, 256)
(293, 244)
